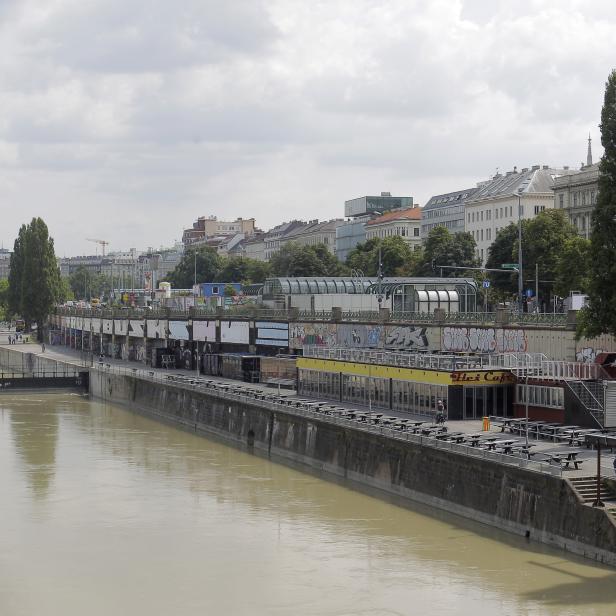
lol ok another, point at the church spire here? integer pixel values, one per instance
(589, 154)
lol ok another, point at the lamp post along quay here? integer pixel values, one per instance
(520, 281)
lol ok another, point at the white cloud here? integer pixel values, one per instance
(129, 120)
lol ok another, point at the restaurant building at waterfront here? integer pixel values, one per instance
(469, 386)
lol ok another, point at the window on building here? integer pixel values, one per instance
(482, 236)
(481, 215)
(489, 215)
(416, 232)
(561, 201)
(473, 216)
(593, 197)
(575, 199)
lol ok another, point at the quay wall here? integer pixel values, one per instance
(542, 507)
(135, 338)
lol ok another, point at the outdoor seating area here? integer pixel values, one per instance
(562, 447)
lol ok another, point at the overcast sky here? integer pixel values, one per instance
(126, 120)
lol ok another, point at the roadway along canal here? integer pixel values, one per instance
(106, 512)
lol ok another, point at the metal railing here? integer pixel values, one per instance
(40, 374)
(259, 312)
(227, 391)
(431, 361)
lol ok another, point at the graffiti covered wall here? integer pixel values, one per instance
(317, 334)
(408, 337)
(484, 340)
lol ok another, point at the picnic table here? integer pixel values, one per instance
(510, 423)
(501, 443)
(566, 458)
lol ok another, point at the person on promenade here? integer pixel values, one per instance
(440, 415)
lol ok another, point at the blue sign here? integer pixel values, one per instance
(529, 292)
(486, 284)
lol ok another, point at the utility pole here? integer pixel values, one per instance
(520, 279)
(380, 278)
(537, 285)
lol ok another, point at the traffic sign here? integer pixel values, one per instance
(509, 266)
(486, 284)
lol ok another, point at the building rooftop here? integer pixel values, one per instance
(452, 198)
(412, 213)
(537, 179)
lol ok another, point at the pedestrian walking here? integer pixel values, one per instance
(42, 347)
(440, 412)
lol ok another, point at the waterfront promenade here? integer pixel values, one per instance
(541, 449)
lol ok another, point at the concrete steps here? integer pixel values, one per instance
(586, 487)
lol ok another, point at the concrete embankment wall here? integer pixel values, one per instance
(20, 360)
(543, 507)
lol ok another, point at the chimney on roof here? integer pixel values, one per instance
(566, 167)
(535, 168)
(525, 170)
(385, 194)
(546, 167)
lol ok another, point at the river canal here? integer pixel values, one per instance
(104, 512)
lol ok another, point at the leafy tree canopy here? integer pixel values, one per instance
(295, 260)
(600, 316)
(443, 248)
(34, 277)
(397, 257)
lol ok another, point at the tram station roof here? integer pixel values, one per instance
(318, 285)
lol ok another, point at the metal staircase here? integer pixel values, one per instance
(591, 396)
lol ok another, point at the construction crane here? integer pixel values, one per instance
(103, 243)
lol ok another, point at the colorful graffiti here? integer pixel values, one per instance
(588, 355)
(360, 335)
(484, 340)
(317, 334)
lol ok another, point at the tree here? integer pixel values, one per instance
(34, 278)
(208, 265)
(4, 300)
(501, 251)
(397, 257)
(443, 248)
(573, 269)
(295, 260)
(600, 316)
(244, 270)
(544, 239)
(79, 282)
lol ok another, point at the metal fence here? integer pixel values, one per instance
(253, 311)
(228, 391)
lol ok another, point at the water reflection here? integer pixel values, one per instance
(448, 545)
(154, 520)
(34, 428)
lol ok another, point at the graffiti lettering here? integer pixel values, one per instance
(484, 340)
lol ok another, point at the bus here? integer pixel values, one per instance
(20, 325)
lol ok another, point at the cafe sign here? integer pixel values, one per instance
(483, 377)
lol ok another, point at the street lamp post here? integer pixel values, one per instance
(520, 280)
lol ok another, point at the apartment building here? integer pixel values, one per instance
(495, 203)
(402, 223)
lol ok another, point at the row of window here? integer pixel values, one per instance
(540, 395)
(579, 198)
(450, 198)
(443, 211)
(393, 231)
(416, 398)
(502, 212)
(478, 235)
